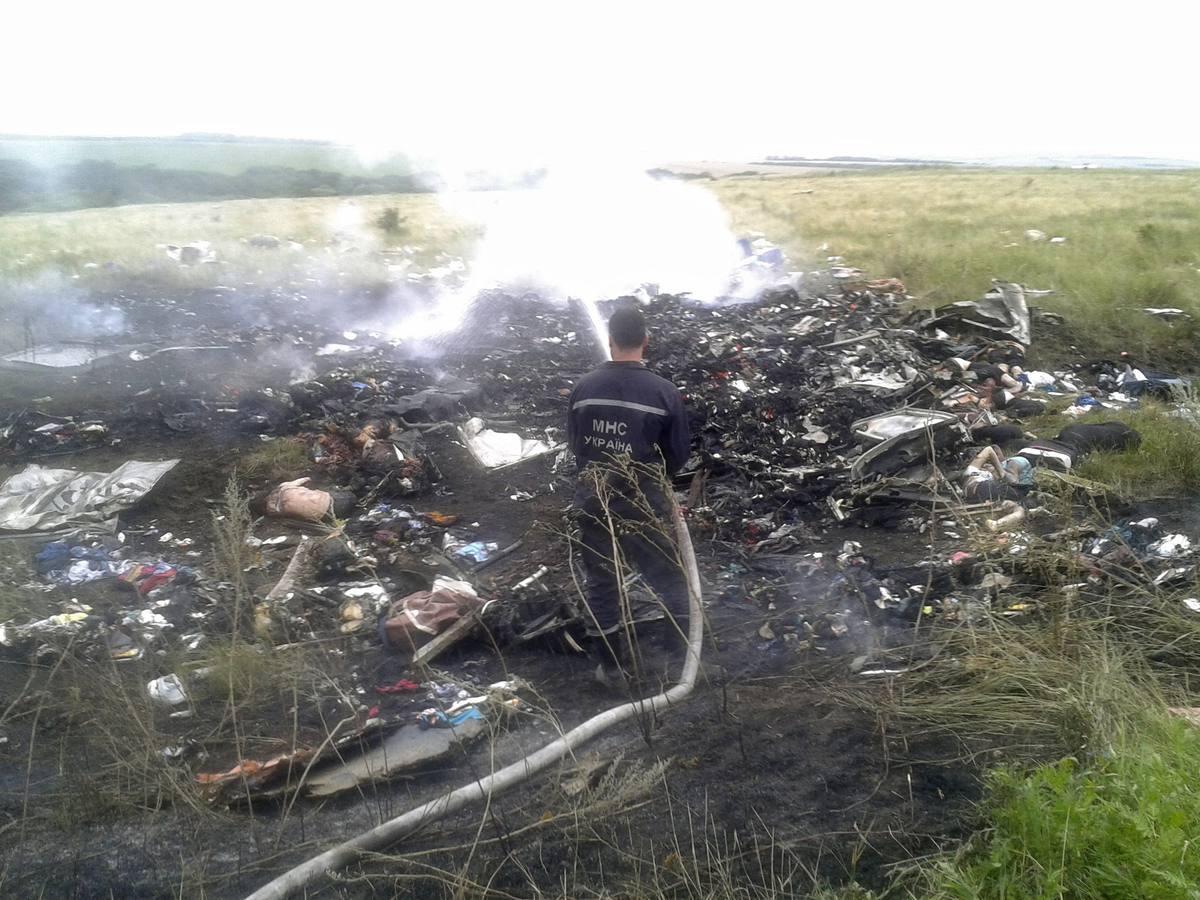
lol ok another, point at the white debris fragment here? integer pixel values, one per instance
(167, 690)
(331, 349)
(1171, 546)
(191, 254)
(499, 448)
(1166, 312)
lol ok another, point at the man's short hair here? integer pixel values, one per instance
(627, 328)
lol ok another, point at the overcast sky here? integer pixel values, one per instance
(525, 82)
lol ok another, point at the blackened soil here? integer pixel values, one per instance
(762, 760)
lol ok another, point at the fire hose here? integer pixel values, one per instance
(510, 776)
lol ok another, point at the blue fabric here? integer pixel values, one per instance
(53, 556)
(1023, 469)
(59, 554)
(476, 551)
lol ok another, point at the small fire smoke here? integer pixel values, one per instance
(47, 307)
(596, 235)
(590, 235)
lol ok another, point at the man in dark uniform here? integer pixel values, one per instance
(628, 430)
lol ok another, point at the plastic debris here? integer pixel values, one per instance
(41, 499)
(496, 448)
(167, 690)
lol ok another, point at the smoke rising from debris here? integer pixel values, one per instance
(48, 307)
(598, 235)
(590, 234)
(348, 223)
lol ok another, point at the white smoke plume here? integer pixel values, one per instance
(47, 307)
(348, 222)
(596, 235)
(589, 234)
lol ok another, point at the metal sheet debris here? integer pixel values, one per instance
(494, 449)
(1001, 314)
(42, 499)
(405, 748)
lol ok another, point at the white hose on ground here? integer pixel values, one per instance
(510, 776)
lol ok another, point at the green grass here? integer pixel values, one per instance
(1120, 826)
(1165, 464)
(251, 677)
(1095, 793)
(49, 258)
(1062, 686)
(115, 248)
(1133, 240)
(278, 460)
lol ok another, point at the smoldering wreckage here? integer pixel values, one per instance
(827, 415)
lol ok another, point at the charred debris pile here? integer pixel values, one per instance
(818, 406)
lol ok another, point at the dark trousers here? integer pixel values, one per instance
(645, 544)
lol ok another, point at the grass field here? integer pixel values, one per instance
(1132, 240)
(115, 247)
(1106, 807)
(1099, 798)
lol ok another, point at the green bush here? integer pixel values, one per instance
(389, 221)
(1121, 827)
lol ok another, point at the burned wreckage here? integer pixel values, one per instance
(425, 523)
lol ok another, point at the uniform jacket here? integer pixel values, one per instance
(624, 408)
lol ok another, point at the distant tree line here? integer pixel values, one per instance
(90, 183)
